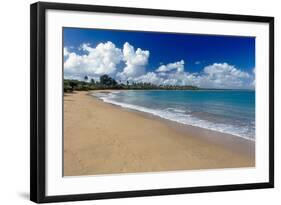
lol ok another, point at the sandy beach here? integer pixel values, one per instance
(101, 138)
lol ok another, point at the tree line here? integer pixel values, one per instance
(106, 82)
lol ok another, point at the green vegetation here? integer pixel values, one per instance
(106, 82)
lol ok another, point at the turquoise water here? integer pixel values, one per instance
(227, 111)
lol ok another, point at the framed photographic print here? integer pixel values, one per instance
(129, 102)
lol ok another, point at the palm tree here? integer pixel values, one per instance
(86, 78)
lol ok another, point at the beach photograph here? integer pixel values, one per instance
(147, 101)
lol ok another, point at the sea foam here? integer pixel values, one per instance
(180, 116)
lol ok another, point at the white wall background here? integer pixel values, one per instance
(14, 100)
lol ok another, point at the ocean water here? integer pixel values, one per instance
(227, 111)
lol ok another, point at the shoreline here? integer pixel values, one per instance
(156, 144)
(133, 109)
(230, 141)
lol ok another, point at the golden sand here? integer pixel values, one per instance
(101, 138)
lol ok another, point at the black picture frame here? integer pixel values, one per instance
(38, 103)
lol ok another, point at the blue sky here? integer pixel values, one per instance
(137, 56)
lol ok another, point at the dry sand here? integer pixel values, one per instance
(101, 138)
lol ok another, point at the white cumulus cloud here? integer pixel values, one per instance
(65, 52)
(178, 66)
(102, 59)
(150, 77)
(254, 77)
(217, 75)
(135, 61)
(223, 75)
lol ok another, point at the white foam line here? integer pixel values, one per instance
(187, 120)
